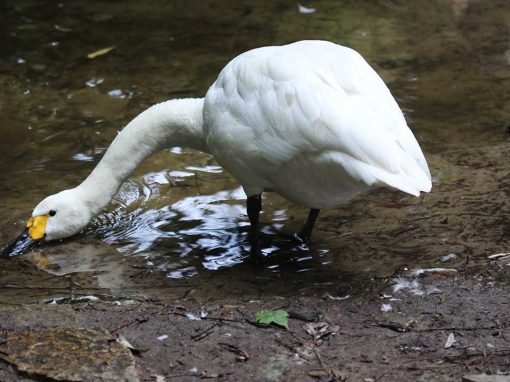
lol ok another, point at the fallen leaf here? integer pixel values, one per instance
(450, 341)
(100, 52)
(319, 330)
(386, 307)
(192, 317)
(278, 317)
(305, 10)
(315, 328)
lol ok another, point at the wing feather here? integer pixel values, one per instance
(342, 105)
(319, 97)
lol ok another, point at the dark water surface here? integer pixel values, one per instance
(180, 215)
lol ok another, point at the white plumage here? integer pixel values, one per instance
(311, 121)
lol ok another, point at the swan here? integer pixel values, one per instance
(311, 121)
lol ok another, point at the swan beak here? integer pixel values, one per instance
(33, 233)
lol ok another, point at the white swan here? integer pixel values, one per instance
(311, 121)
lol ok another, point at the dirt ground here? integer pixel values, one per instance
(378, 319)
(358, 342)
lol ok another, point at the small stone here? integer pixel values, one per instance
(317, 373)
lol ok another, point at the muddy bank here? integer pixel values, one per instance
(379, 332)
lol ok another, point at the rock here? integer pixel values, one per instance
(70, 354)
(25, 317)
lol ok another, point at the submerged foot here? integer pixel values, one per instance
(305, 236)
(256, 256)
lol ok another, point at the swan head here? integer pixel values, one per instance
(56, 217)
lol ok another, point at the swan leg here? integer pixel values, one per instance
(306, 232)
(253, 207)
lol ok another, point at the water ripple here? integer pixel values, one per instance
(197, 232)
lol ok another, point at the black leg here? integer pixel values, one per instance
(306, 231)
(253, 207)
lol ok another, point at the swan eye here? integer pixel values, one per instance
(53, 213)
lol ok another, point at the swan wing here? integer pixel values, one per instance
(321, 98)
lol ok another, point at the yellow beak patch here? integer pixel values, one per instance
(37, 226)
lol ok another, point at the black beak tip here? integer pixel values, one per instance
(20, 246)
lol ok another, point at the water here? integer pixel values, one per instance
(180, 215)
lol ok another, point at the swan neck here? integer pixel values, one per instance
(164, 125)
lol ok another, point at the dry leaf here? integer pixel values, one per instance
(100, 52)
(305, 10)
(450, 341)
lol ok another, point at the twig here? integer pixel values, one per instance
(392, 326)
(320, 360)
(400, 328)
(128, 323)
(254, 323)
(453, 358)
(412, 228)
(20, 286)
(301, 316)
(205, 333)
(243, 355)
(413, 366)
(454, 328)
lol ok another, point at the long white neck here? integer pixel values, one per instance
(171, 123)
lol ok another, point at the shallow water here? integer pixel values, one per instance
(180, 215)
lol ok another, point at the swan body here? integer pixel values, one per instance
(311, 121)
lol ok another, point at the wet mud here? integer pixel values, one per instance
(159, 287)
